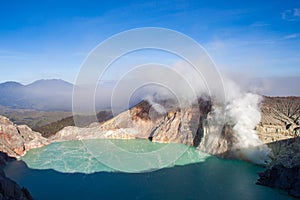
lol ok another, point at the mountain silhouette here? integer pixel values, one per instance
(54, 94)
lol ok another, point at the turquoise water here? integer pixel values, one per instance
(102, 155)
(72, 170)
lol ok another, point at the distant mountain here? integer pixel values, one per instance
(55, 95)
(46, 95)
(276, 86)
(50, 83)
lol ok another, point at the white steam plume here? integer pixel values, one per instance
(241, 108)
(244, 114)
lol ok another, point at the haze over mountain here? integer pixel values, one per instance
(47, 95)
(278, 86)
(50, 95)
(56, 94)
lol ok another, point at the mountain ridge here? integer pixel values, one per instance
(46, 95)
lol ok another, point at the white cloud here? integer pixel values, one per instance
(259, 24)
(285, 14)
(291, 14)
(291, 36)
(297, 12)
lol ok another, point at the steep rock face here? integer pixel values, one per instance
(279, 128)
(16, 140)
(9, 189)
(284, 172)
(193, 125)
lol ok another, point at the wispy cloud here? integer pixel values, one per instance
(297, 12)
(7, 54)
(291, 36)
(259, 24)
(80, 53)
(291, 14)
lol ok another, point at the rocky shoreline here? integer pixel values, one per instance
(9, 189)
(283, 178)
(284, 171)
(279, 129)
(14, 142)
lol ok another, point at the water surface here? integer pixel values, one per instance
(62, 171)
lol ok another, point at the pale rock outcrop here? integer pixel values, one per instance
(86, 133)
(16, 140)
(198, 126)
(195, 125)
(191, 125)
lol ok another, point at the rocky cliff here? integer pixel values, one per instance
(195, 125)
(279, 128)
(141, 121)
(146, 121)
(9, 189)
(284, 171)
(280, 119)
(14, 142)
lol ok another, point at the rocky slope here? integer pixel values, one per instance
(52, 128)
(146, 121)
(280, 119)
(279, 128)
(194, 125)
(14, 142)
(284, 171)
(9, 189)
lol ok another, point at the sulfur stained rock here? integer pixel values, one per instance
(16, 140)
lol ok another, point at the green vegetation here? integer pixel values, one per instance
(48, 122)
(54, 127)
(32, 118)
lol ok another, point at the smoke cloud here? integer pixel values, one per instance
(181, 81)
(243, 114)
(240, 109)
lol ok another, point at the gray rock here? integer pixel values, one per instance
(282, 177)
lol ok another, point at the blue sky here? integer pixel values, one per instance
(50, 39)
